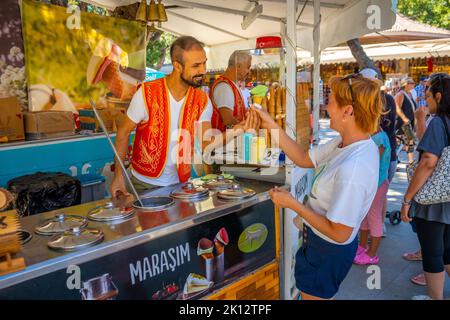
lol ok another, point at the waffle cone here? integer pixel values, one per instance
(219, 247)
(112, 80)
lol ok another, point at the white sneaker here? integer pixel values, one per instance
(421, 297)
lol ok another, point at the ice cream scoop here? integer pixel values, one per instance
(205, 248)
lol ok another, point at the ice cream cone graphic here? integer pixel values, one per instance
(104, 67)
(221, 240)
(205, 249)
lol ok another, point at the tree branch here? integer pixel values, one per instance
(361, 57)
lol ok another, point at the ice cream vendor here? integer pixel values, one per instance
(226, 96)
(157, 110)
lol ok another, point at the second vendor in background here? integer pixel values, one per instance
(226, 97)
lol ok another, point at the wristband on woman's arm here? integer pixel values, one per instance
(406, 203)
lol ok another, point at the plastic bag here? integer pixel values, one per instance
(44, 191)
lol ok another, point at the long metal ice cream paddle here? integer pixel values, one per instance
(115, 152)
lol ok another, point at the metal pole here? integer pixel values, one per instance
(316, 71)
(124, 170)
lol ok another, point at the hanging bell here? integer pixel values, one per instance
(152, 15)
(162, 13)
(152, 28)
(141, 14)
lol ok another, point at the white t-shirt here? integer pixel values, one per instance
(137, 112)
(246, 95)
(414, 95)
(223, 96)
(345, 183)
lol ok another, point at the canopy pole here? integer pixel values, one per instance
(316, 71)
(291, 76)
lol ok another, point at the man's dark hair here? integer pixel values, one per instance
(183, 44)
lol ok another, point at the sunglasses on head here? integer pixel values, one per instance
(349, 78)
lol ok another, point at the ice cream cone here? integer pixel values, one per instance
(112, 80)
(205, 249)
(219, 247)
(222, 236)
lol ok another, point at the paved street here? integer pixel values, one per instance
(395, 271)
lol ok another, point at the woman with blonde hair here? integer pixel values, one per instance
(343, 188)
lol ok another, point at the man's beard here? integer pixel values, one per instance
(191, 82)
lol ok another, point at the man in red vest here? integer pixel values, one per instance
(164, 113)
(226, 97)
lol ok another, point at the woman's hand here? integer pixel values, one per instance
(266, 120)
(404, 213)
(251, 123)
(421, 114)
(281, 197)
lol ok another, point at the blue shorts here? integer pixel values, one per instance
(321, 266)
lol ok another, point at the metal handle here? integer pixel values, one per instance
(124, 171)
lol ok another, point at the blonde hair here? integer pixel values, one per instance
(368, 104)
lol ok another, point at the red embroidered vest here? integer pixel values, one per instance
(239, 106)
(151, 145)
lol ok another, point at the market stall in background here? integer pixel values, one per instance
(215, 237)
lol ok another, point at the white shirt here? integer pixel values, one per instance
(246, 95)
(137, 112)
(223, 96)
(414, 95)
(345, 183)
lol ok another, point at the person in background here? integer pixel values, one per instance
(343, 188)
(387, 124)
(413, 92)
(374, 221)
(420, 91)
(246, 94)
(406, 107)
(226, 97)
(432, 221)
(423, 119)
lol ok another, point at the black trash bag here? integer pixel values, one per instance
(44, 191)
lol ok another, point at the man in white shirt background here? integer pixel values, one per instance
(226, 96)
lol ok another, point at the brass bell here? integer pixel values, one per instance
(141, 14)
(162, 13)
(153, 15)
(152, 28)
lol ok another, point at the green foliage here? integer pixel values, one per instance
(159, 49)
(432, 12)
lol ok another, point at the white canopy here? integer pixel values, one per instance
(218, 23)
(385, 51)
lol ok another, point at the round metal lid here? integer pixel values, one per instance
(236, 193)
(109, 212)
(60, 223)
(189, 191)
(76, 239)
(219, 184)
(153, 203)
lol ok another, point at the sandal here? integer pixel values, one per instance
(419, 280)
(413, 256)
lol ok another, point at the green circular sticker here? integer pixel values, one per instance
(252, 238)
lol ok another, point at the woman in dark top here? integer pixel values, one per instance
(406, 106)
(388, 126)
(432, 221)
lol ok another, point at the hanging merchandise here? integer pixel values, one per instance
(430, 64)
